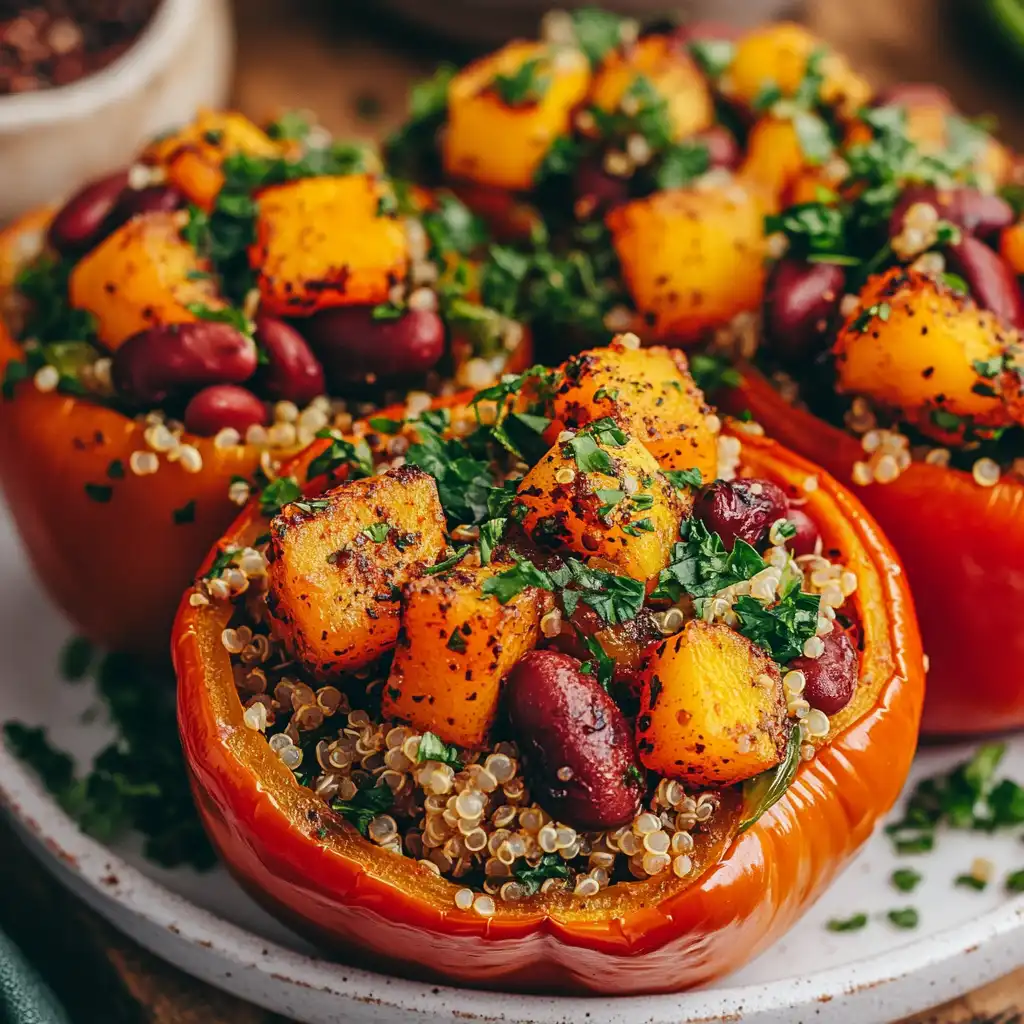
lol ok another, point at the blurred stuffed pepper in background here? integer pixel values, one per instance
(892, 356)
(175, 329)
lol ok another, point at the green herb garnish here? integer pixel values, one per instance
(551, 866)
(905, 918)
(525, 86)
(433, 748)
(762, 792)
(364, 806)
(905, 879)
(849, 924)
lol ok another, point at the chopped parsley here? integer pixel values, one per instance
(223, 560)
(364, 806)
(76, 658)
(811, 228)
(781, 628)
(228, 315)
(551, 866)
(184, 515)
(681, 163)
(700, 565)
(602, 665)
(597, 33)
(814, 137)
(385, 425)
(968, 881)
(452, 227)
(946, 420)
(433, 748)
(849, 924)
(291, 126)
(456, 642)
(762, 792)
(712, 373)
(967, 797)
(615, 598)
(905, 879)
(377, 532)
(51, 318)
(1015, 881)
(878, 310)
(101, 493)
(713, 55)
(491, 533)
(525, 86)
(905, 918)
(278, 493)
(507, 585)
(448, 563)
(341, 454)
(587, 446)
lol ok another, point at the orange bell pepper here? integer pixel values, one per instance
(298, 859)
(107, 544)
(962, 546)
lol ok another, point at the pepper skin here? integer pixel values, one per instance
(298, 859)
(963, 548)
(114, 562)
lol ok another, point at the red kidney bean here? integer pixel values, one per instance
(595, 187)
(152, 199)
(292, 373)
(354, 347)
(975, 212)
(800, 300)
(914, 94)
(831, 677)
(179, 359)
(223, 405)
(578, 746)
(991, 279)
(81, 221)
(805, 540)
(743, 509)
(723, 149)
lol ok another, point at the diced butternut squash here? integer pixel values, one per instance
(506, 110)
(593, 496)
(1011, 247)
(916, 346)
(778, 55)
(774, 158)
(712, 708)
(672, 74)
(322, 242)
(193, 155)
(692, 258)
(649, 392)
(456, 646)
(333, 584)
(142, 275)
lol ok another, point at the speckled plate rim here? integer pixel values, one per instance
(913, 978)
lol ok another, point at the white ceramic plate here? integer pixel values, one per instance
(205, 924)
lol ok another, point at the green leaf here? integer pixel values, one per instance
(681, 163)
(813, 135)
(76, 658)
(905, 879)
(291, 126)
(551, 866)
(713, 55)
(101, 493)
(609, 498)
(278, 493)
(185, 514)
(810, 228)
(452, 227)
(1015, 881)
(879, 310)
(712, 373)
(364, 806)
(491, 533)
(782, 628)
(525, 86)
(700, 565)
(433, 748)
(385, 425)
(341, 454)
(946, 420)
(849, 924)
(603, 665)
(764, 791)
(222, 561)
(448, 563)
(560, 161)
(597, 33)
(234, 317)
(906, 918)
(377, 532)
(971, 882)
(512, 582)
(684, 479)
(767, 96)
(615, 598)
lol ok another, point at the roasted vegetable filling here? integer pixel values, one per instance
(539, 639)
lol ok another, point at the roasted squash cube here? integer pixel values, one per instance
(659, 61)
(918, 346)
(194, 154)
(506, 110)
(692, 258)
(602, 494)
(336, 563)
(455, 647)
(649, 392)
(712, 708)
(323, 242)
(143, 275)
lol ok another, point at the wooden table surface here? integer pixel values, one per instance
(354, 71)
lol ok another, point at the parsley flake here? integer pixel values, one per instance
(849, 924)
(364, 806)
(551, 866)
(905, 879)
(433, 748)
(377, 532)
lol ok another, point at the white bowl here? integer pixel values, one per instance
(53, 140)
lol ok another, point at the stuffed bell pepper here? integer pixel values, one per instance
(176, 329)
(892, 356)
(635, 160)
(556, 687)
